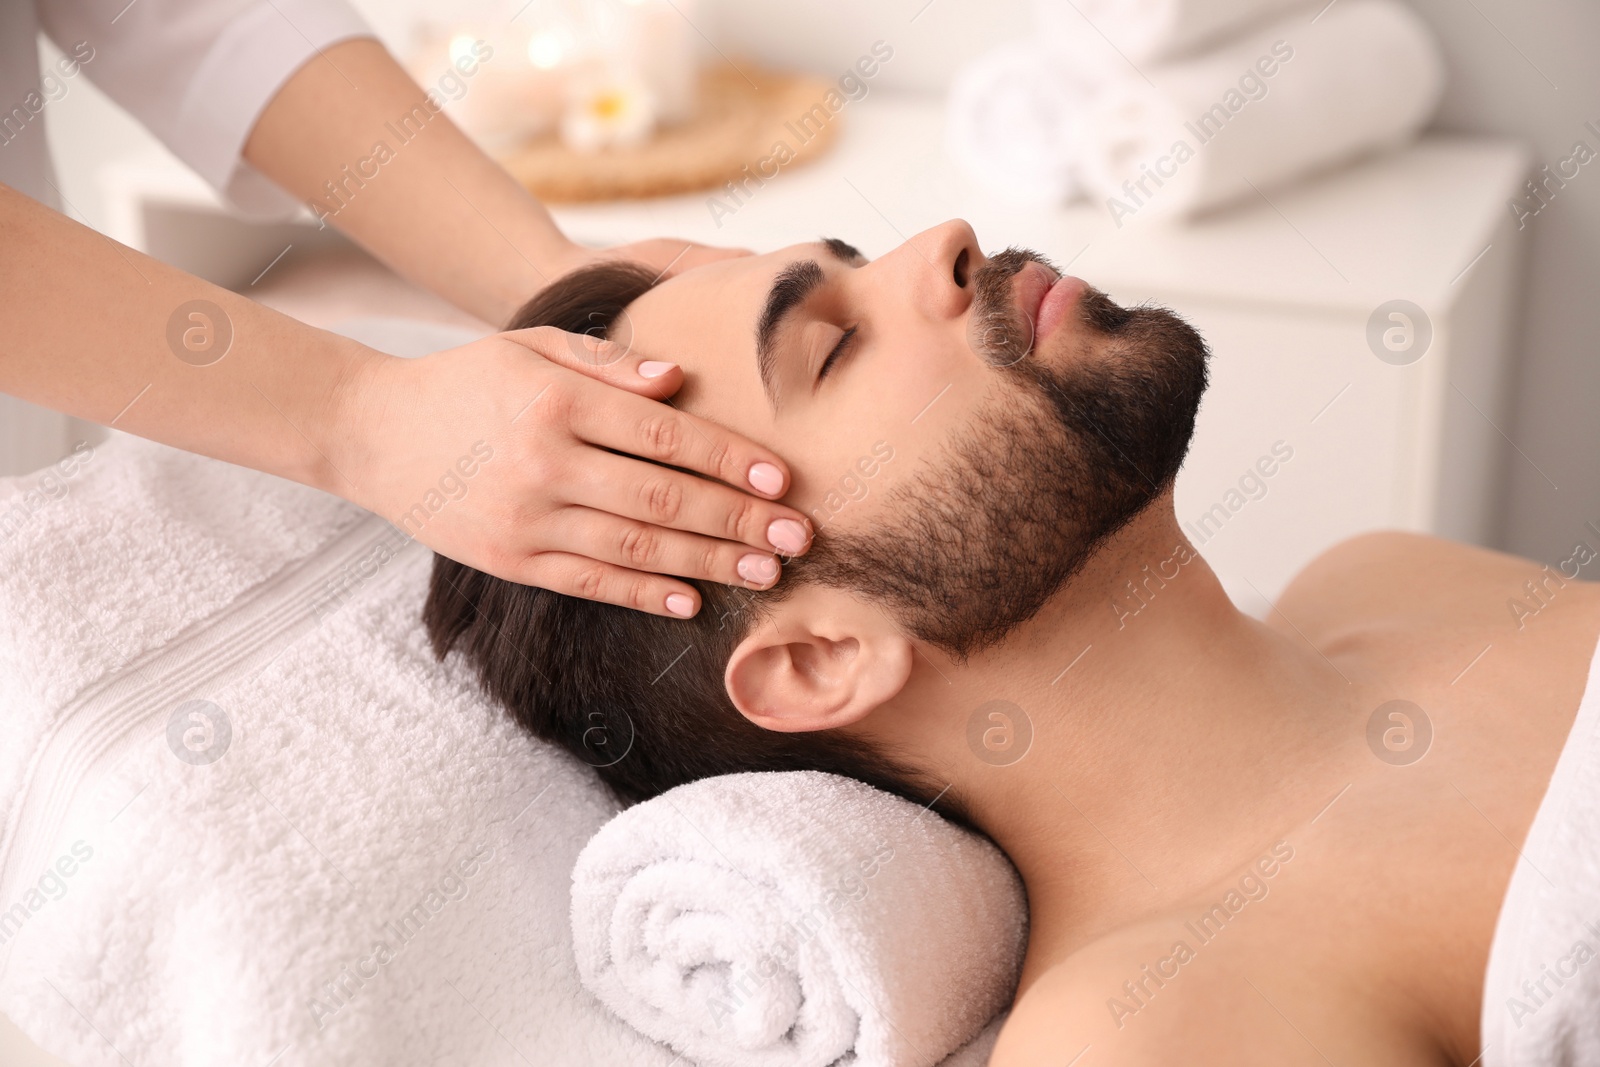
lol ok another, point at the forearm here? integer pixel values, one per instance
(94, 329)
(433, 207)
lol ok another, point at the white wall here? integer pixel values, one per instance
(931, 38)
(1531, 68)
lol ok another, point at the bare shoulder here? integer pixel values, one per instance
(1107, 1006)
(1381, 573)
(1396, 580)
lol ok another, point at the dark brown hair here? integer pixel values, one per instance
(639, 697)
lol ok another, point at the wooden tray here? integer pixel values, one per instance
(737, 124)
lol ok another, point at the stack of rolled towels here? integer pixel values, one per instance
(1165, 109)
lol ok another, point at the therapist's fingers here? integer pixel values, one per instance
(651, 430)
(658, 432)
(583, 576)
(645, 547)
(603, 360)
(638, 472)
(661, 497)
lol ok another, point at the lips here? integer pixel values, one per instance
(1043, 297)
(1053, 308)
(1028, 290)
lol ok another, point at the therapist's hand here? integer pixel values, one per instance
(495, 455)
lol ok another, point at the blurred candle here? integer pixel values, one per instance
(507, 98)
(599, 72)
(661, 41)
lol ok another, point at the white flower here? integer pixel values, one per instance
(608, 111)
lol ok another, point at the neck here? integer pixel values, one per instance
(1165, 724)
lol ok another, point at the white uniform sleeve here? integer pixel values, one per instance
(198, 73)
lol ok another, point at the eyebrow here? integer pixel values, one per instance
(791, 288)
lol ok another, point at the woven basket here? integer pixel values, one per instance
(743, 114)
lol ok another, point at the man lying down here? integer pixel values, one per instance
(1231, 849)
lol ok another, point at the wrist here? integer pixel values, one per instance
(351, 420)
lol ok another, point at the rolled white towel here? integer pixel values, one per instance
(1105, 36)
(1010, 121)
(1279, 104)
(797, 919)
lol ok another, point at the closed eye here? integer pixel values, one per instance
(845, 341)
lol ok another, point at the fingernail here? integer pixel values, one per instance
(762, 570)
(654, 368)
(680, 604)
(787, 536)
(766, 478)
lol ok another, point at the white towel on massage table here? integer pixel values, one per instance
(375, 869)
(797, 920)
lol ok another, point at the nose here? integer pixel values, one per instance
(935, 267)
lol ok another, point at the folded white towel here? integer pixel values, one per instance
(1010, 121)
(797, 920)
(1113, 38)
(1272, 107)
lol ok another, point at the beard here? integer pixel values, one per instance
(1074, 447)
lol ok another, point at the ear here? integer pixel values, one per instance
(820, 660)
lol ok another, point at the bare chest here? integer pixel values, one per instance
(1382, 931)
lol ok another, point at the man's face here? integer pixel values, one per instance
(906, 375)
(1042, 414)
